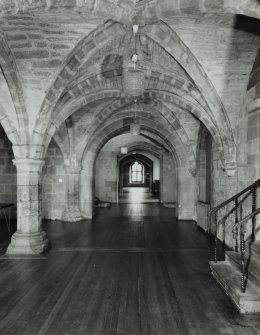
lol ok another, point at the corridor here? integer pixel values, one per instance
(133, 270)
(137, 195)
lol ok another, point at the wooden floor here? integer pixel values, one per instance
(137, 195)
(133, 270)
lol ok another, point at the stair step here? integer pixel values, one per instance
(230, 280)
(234, 258)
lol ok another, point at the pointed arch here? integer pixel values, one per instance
(11, 74)
(210, 106)
(83, 49)
(171, 42)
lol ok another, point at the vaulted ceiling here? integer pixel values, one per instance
(65, 60)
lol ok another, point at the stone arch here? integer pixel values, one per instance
(146, 147)
(158, 108)
(171, 98)
(64, 146)
(90, 155)
(102, 33)
(99, 88)
(195, 109)
(185, 175)
(151, 11)
(170, 41)
(173, 126)
(9, 128)
(113, 129)
(167, 39)
(116, 124)
(128, 159)
(203, 165)
(185, 178)
(10, 72)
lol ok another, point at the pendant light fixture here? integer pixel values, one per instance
(135, 127)
(134, 79)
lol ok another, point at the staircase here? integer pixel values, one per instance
(239, 274)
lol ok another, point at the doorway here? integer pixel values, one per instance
(136, 183)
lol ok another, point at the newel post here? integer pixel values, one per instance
(254, 199)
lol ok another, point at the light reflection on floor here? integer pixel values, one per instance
(137, 195)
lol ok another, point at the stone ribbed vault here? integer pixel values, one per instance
(61, 66)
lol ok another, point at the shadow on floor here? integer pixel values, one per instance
(5, 235)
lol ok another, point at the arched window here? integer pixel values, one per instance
(136, 173)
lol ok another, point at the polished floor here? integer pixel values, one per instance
(137, 195)
(133, 270)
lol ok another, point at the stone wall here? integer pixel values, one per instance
(204, 162)
(156, 164)
(39, 48)
(223, 187)
(226, 54)
(248, 159)
(53, 184)
(169, 184)
(253, 122)
(253, 132)
(106, 179)
(8, 178)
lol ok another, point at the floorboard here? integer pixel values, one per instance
(133, 270)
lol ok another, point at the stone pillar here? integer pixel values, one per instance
(29, 237)
(168, 185)
(253, 136)
(87, 192)
(71, 211)
(87, 183)
(87, 200)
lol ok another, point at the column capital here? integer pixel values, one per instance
(28, 164)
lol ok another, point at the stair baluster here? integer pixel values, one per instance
(240, 212)
(238, 274)
(242, 249)
(216, 237)
(236, 221)
(254, 198)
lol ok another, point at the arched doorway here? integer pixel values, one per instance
(136, 179)
(136, 174)
(204, 167)
(8, 191)
(135, 170)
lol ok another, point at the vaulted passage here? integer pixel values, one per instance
(130, 271)
(124, 125)
(137, 195)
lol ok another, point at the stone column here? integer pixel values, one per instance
(29, 237)
(87, 199)
(72, 211)
(87, 192)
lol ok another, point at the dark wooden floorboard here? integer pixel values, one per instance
(134, 270)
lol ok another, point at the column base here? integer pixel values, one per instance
(87, 216)
(71, 216)
(28, 243)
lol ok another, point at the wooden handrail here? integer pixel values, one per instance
(234, 197)
(246, 218)
(235, 207)
(3, 206)
(237, 227)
